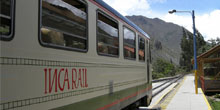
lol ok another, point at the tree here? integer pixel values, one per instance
(214, 42)
(217, 41)
(158, 45)
(187, 51)
(200, 42)
(187, 48)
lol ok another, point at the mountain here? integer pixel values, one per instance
(165, 37)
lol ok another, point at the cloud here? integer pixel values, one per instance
(208, 24)
(130, 7)
(185, 21)
(157, 1)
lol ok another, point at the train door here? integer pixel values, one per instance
(148, 60)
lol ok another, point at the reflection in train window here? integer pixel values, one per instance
(6, 18)
(107, 36)
(129, 44)
(64, 24)
(141, 48)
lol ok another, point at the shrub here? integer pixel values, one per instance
(162, 68)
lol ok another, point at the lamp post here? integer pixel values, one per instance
(194, 44)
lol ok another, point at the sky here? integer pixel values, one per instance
(207, 13)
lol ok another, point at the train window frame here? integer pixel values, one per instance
(98, 11)
(10, 36)
(149, 57)
(135, 36)
(139, 37)
(149, 49)
(54, 46)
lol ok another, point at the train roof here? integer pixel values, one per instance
(109, 8)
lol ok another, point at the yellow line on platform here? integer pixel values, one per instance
(170, 97)
(158, 101)
(209, 107)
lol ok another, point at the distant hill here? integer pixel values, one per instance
(166, 37)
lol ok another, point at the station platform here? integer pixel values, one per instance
(184, 97)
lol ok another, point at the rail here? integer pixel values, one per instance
(166, 78)
(168, 81)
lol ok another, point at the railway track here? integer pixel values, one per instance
(161, 84)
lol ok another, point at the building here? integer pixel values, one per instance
(209, 69)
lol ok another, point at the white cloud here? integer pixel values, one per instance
(208, 24)
(185, 21)
(157, 1)
(130, 7)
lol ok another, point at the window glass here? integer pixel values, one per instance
(129, 44)
(6, 17)
(141, 50)
(107, 36)
(64, 24)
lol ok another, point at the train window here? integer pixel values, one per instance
(107, 36)
(129, 44)
(64, 24)
(141, 48)
(6, 19)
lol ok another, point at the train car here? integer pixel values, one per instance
(71, 55)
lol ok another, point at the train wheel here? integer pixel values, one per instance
(144, 101)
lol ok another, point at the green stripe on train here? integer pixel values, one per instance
(127, 95)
